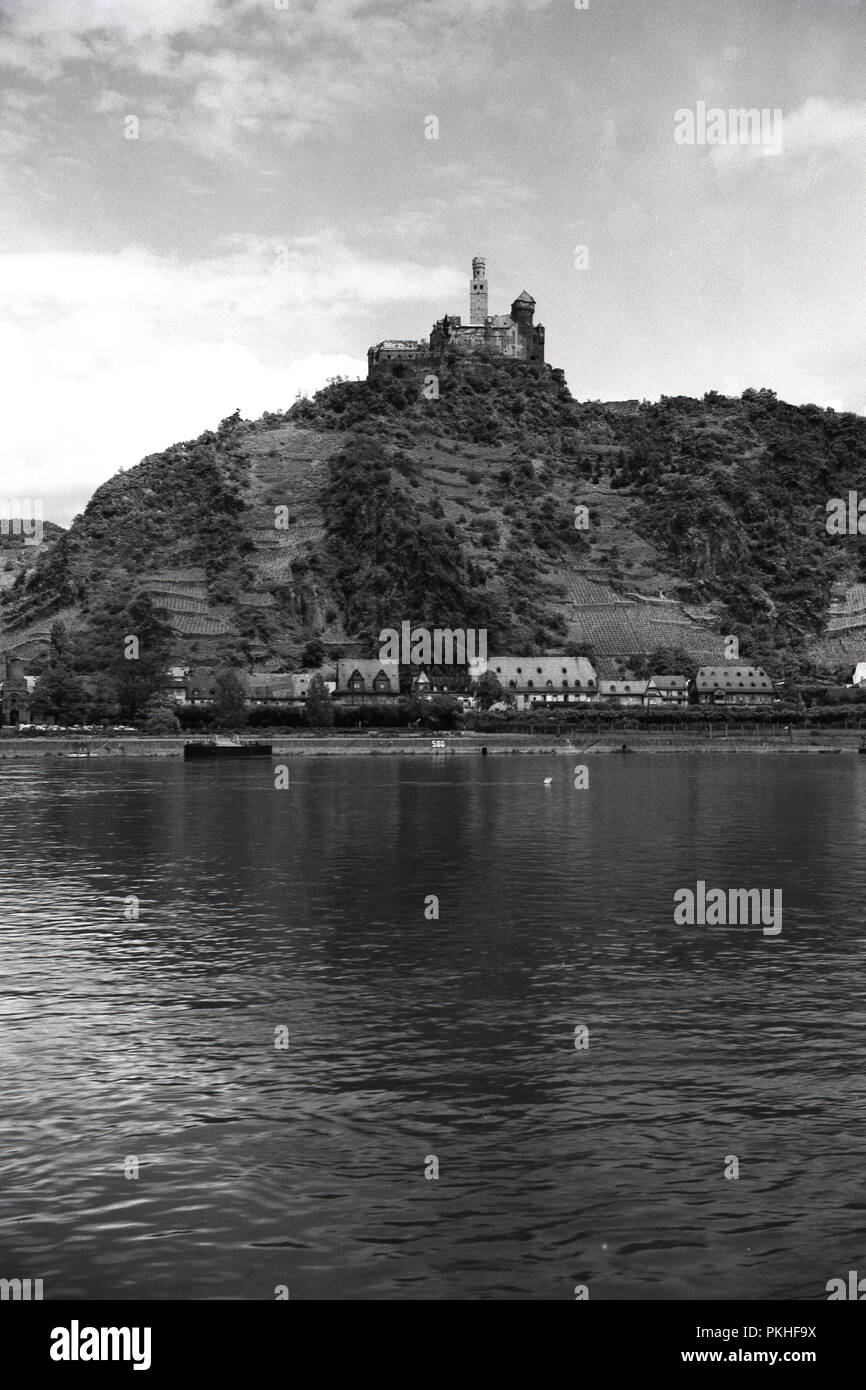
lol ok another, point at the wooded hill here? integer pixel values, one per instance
(370, 505)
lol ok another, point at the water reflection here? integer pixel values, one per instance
(154, 1037)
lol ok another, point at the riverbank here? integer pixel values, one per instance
(413, 745)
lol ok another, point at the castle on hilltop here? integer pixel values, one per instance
(511, 335)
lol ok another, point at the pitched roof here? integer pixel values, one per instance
(368, 668)
(733, 678)
(541, 671)
(623, 687)
(670, 682)
(524, 298)
(272, 685)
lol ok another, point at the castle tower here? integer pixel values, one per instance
(478, 291)
(522, 311)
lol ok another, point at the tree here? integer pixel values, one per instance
(662, 661)
(577, 649)
(319, 707)
(61, 695)
(443, 711)
(313, 654)
(130, 645)
(487, 689)
(161, 720)
(230, 702)
(59, 692)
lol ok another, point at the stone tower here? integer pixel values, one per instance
(478, 291)
(15, 700)
(522, 311)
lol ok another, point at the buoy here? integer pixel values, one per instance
(547, 781)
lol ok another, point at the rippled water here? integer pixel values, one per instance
(155, 1039)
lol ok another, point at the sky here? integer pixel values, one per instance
(214, 204)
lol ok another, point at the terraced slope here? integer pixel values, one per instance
(371, 505)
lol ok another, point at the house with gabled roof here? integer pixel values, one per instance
(362, 680)
(667, 690)
(543, 680)
(174, 685)
(733, 685)
(285, 687)
(628, 692)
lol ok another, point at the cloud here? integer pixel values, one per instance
(818, 135)
(107, 358)
(210, 74)
(826, 125)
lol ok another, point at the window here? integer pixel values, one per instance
(530, 684)
(565, 685)
(356, 681)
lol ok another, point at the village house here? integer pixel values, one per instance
(732, 685)
(542, 680)
(367, 680)
(623, 692)
(285, 687)
(667, 690)
(174, 685)
(201, 685)
(859, 677)
(456, 684)
(197, 685)
(431, 680)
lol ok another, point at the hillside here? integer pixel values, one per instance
(705, 517)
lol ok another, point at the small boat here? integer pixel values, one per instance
(222, 747)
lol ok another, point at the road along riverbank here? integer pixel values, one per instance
(825, 741)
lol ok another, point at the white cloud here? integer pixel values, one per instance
(820, 124)
(818, 135)
(209, 73)
(107, 358)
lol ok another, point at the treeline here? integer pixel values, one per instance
(734, 495)
(384, 556)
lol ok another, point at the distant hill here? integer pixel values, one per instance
(706, 517)
(18, 557)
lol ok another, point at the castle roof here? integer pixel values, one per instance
(524, 298)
